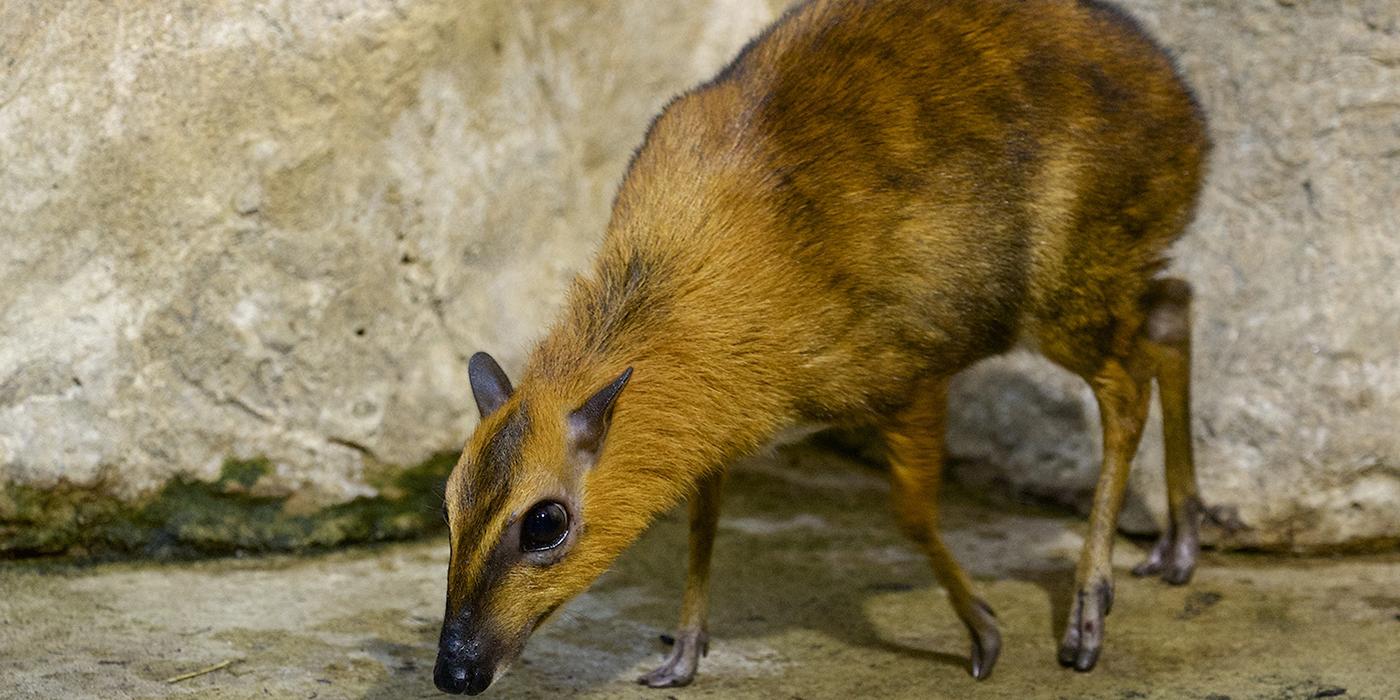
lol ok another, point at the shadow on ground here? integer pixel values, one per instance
(814, 596)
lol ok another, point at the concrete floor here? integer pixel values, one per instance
(815, 596)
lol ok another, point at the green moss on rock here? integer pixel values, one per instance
(192, 518)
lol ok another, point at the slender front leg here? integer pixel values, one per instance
(1121, 389)
(915, 441)
(692, 638)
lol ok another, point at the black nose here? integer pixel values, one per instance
(463, 662)
(459, 678)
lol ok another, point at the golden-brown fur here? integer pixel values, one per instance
(874, 195)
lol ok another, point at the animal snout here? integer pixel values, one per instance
(461, 678)
(461, 667)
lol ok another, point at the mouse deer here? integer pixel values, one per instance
(874, 195)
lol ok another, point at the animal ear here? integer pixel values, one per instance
(490, 385)
(588, 424)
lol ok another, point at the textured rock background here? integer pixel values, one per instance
(239, 230)
(277, 229)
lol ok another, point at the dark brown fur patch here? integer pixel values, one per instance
(500, 456)
(625, 298)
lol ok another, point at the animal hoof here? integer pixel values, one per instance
(984, 654)
(666, 677)
(679, 668)
(986, 643)
(1083, 638)
(1173, 557)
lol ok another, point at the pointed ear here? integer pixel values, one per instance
(588, 425)
(490, 385)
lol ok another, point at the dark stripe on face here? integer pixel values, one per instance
(500, 456)
(467, 611)
(488, 488)
(470, 636)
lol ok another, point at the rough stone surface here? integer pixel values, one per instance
(272, 230)
(815, 595)
(268, 230)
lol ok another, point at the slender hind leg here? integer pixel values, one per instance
(692, 637)
(1169, 343)
(915, 440)
(1121, 388)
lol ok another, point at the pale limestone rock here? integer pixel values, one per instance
(268, 229)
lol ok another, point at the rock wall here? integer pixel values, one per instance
(246, 247)
(273, 232)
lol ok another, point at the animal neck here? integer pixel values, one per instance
(669, 296)
(682, 414)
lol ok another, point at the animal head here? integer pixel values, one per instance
(519, 513)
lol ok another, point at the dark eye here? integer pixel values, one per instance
(544, 527)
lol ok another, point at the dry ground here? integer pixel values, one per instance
(816, 596)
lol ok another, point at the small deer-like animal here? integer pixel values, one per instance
(874, 195)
